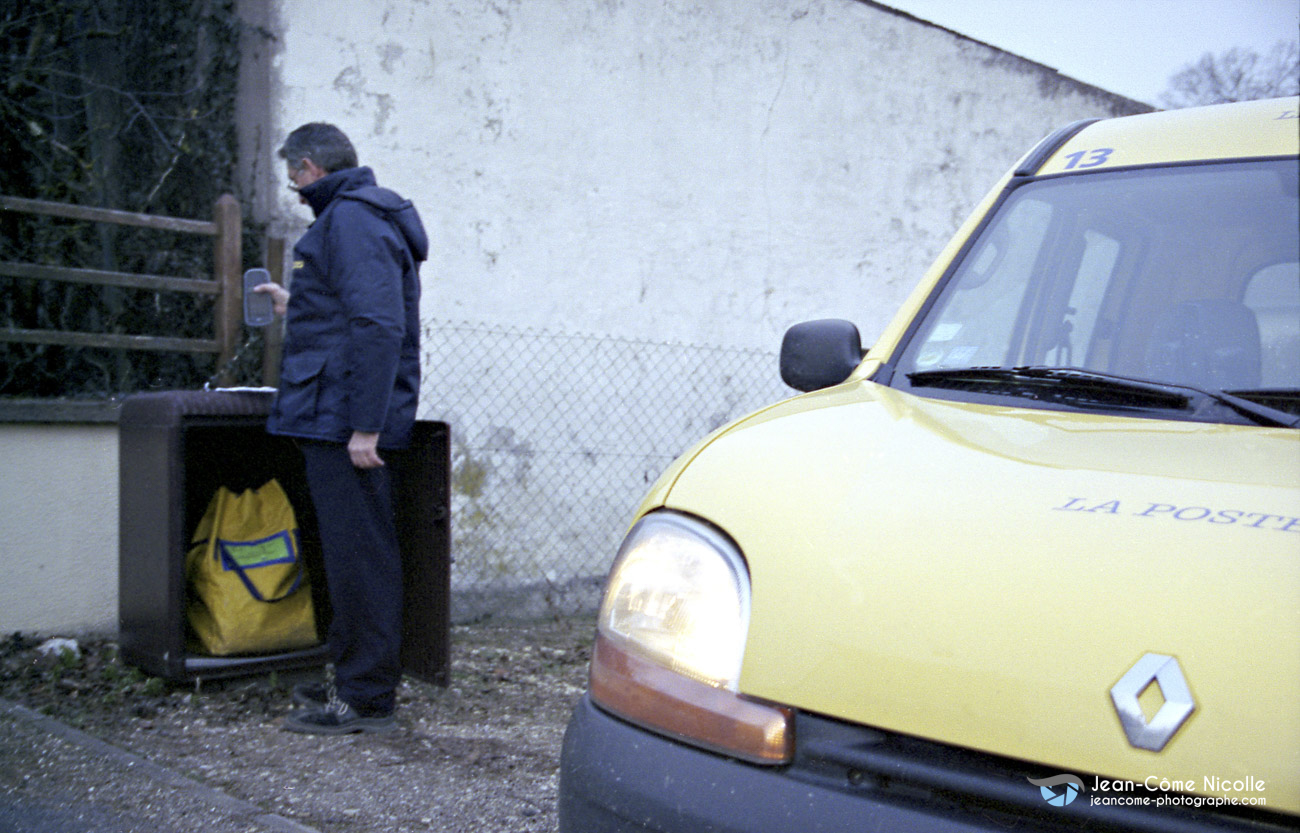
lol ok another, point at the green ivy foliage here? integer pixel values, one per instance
(119, 103)
(125, 104)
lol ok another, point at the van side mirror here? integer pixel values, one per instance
(819, 354)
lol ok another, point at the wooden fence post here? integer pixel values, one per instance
(227, 258)
(273, 333)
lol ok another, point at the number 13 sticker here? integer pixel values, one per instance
(1088, 158)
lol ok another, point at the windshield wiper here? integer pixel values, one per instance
(1263, 414)
(1055, 384)
(1069, 384)
(1286, 400)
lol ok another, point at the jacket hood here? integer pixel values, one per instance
(359, 184)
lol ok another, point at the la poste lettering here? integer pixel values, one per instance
(1183, 514)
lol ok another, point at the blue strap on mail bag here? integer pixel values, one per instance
(249, 593)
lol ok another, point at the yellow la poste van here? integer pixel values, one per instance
(1031, 562)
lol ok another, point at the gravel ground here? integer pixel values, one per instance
(479, 755)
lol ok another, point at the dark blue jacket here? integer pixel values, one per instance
(352, 334)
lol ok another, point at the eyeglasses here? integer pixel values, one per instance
(294, 172)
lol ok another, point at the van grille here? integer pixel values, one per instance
(985, 790)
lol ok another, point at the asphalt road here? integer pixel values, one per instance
(56, 779)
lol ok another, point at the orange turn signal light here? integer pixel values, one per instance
(661, 700)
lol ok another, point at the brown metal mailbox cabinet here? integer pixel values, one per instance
(176, 448)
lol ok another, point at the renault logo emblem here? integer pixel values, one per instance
(1165, 672)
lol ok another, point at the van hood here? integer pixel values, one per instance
(984, 576)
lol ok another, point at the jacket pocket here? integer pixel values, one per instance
(300, 378)
(303, 367)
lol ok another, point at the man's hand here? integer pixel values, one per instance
(279, 296)
(363, 449)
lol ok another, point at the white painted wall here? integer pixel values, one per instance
(58, 527)
(709, 171)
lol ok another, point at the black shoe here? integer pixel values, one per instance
(312, 695)
(337, 718)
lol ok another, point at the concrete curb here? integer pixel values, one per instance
(113, 755)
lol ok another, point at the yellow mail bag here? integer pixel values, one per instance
(248, 592)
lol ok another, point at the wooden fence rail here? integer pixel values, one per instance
(225, 227)
(225, 287)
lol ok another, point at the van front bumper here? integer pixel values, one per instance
(617, 778)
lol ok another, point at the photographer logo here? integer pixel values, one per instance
(1059, 790)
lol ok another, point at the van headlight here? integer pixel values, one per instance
(670, 640)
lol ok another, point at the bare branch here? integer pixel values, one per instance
(1236, 75)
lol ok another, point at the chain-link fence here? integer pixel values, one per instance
(555, 439)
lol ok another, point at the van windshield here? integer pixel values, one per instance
(1182, 276)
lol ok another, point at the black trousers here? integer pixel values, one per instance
(363, 570)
